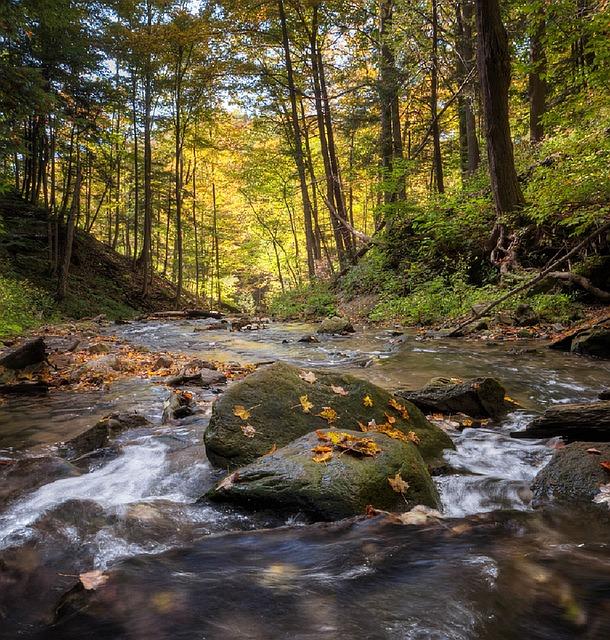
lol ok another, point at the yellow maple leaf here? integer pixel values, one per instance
(241, 412)
(398, 484)
(305, 403)
(322, 448)
(308, 376)
(340, 391)
(367, 401)
(404, 412)
(328, 414)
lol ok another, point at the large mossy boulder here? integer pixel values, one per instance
(595, 342)
(336, 325)
(574, 473)
(270, 408)
(478, 397)
(291, 480)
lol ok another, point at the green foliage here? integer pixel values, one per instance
(313, 301)
(371, 275)
(554, 307)
(570, 186)
(22, 305)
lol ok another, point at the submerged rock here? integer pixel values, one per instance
(581, 421)
(29, 353)
(336, 324)
(180, 404)
(100, 434)
(18, 477)
(595, 342)
(574, 472)
(203, 378)
(478, 397)
(278, 403)
(341, 487)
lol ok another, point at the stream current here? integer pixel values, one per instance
(180, 568)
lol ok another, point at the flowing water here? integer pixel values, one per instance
(180, 568)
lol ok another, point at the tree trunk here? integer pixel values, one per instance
(537, 84)
(62, 285)
(436, 136)
(136, 168)
(298, 145)
(470, 156)
(493, 58)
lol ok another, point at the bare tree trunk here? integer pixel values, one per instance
(298, 145)
(136, 168)
(216, 243)
(537, 83)
(62, 285)
(469, 144)
(493, 57)
(436, 136)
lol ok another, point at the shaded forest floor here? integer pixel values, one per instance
(101, 280)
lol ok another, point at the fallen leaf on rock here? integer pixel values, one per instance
(595, 451)
(322, 448)
(328, 414)
(367, 401)
(229, 481)
(419, 515)
(398, 484)
(340, 391)
(603, 497)
(305, 403)
(605, 464)
(241, 412)
(404, 412)
(413, 437)
(308, 376)
(92, 580)
(248, 430)
(348, 443)
(272, 450)
(389, 418)
(323, 456)
(362, 426)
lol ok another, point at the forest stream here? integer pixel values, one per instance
(493, 568)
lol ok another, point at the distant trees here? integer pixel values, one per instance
(284, 133)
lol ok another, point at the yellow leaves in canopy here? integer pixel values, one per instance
(367, 401)
(328, 414)
(398, 484)
(241, 412)
(308, 376)
(305, 403)
(397, 406)
(340, 391)
(248, 430)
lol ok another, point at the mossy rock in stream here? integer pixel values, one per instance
(271, 395)
(290, 480)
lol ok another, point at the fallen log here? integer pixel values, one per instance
(581, 281)
(185, 313)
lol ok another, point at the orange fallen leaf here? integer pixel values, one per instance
(413, 437)
(323, 457)
(92, 580)
(404, 412)
(272, 450)
(398, 484)
(340, 391)
(389, 418)
(322, 448)
(605, 464)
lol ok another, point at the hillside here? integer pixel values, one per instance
(101, 280)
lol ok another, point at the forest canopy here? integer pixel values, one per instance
(245, 149)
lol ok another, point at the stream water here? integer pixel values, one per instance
(180, 568)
